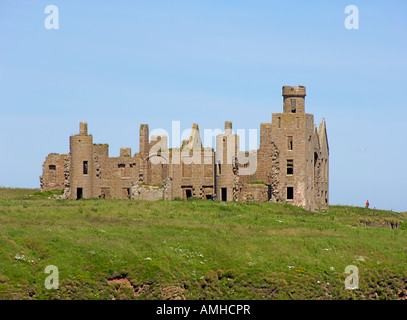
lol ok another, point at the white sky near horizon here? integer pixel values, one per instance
(117, 64)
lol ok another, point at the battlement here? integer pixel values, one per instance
(289, 91)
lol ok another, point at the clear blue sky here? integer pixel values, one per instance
(117, 64)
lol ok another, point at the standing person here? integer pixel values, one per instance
(367, 204)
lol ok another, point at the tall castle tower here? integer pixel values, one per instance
(81, 163)
(296, 136)
(227, 147)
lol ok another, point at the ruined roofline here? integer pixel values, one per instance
(288, 91)
(322, 133)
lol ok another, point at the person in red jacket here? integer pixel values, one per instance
(367, 204)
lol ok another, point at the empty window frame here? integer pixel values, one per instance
(290, 166)
(52, 167)
(279, 122)
(289, 142)
(293, 106)
(85, 167)
(290, 193)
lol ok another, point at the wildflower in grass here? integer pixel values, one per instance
(20, 257)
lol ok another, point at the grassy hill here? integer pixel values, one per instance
(124, 249)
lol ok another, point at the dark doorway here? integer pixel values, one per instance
(224, 194)
(188, 193)
(79, 193)
(269, 190)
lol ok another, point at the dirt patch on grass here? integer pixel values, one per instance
(122, 288)
(118, 284)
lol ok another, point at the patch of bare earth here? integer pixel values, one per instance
(172, 293)
(123, 286)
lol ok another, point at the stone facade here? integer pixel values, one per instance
(291, 164)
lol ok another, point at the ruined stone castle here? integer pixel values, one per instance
(291, 164)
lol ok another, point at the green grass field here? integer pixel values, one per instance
(125, 249)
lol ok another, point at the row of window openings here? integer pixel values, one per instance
(188, 193)
(290, 163)
(290, 167)
(86, 166)
(290, 193)
(122, 165)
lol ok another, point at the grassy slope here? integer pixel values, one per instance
(196, 250)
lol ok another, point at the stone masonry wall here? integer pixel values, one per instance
(292, 164)
(53, 176)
